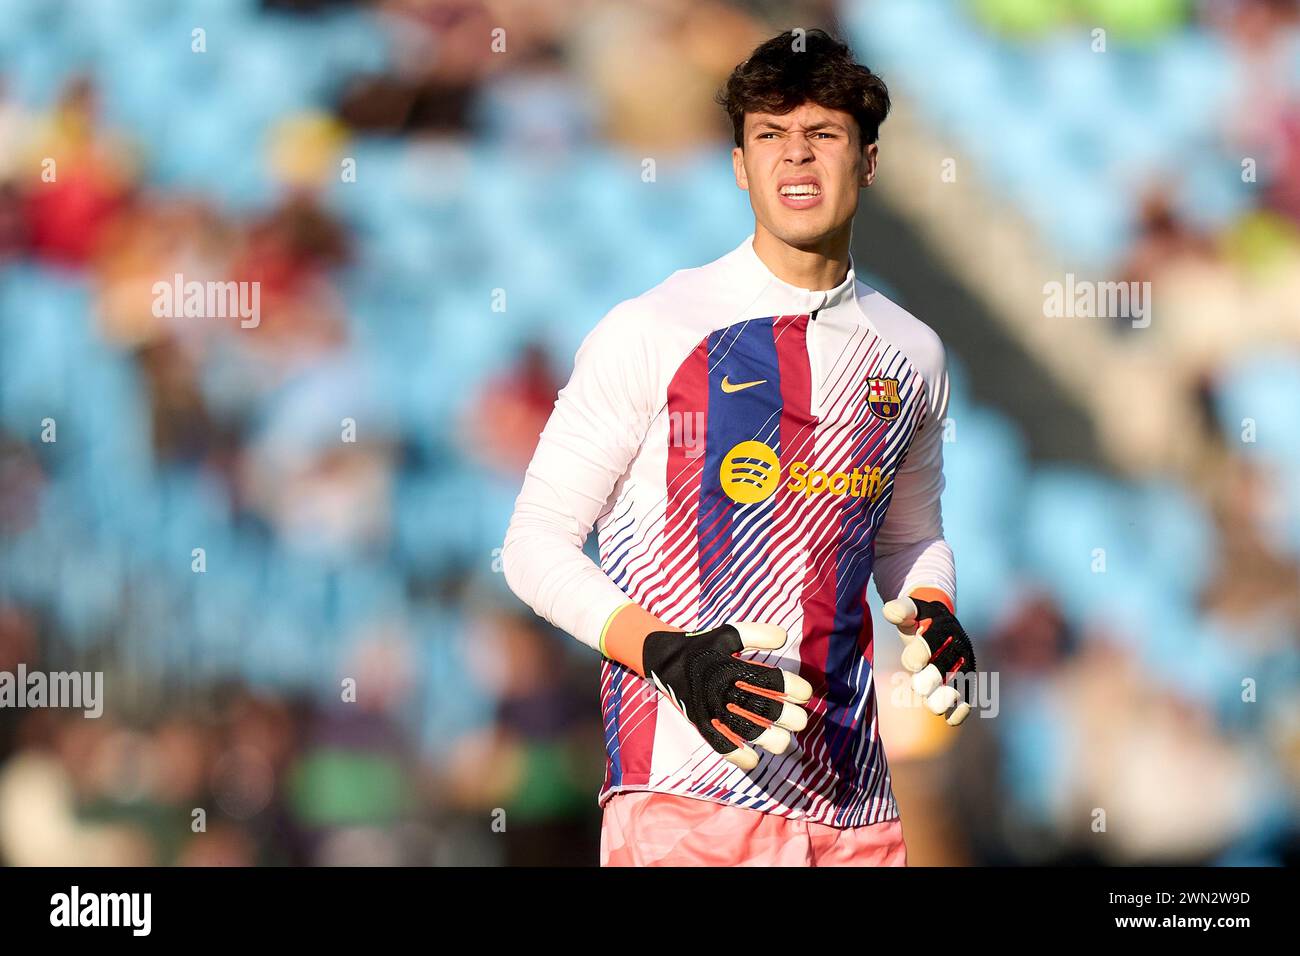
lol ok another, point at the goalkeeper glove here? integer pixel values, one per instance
(734, 703)
(935, 650)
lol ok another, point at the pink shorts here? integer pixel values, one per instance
(642, 828)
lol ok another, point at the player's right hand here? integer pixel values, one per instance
(736, 704)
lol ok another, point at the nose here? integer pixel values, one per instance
(797, 148)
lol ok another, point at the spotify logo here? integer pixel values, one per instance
(750, 472)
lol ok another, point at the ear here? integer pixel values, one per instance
(869, 157)
(738, 165)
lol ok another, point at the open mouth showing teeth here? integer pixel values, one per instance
(800, 192)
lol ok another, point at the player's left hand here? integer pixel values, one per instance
(935, 651)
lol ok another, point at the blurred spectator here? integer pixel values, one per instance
(543, 756)
(86, 176)
(501, 424)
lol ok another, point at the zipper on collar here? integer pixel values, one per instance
(814, 367)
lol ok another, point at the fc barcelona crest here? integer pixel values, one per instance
(882, 398)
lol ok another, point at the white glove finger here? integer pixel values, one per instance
(916, 655)
(796, 688)
(927, 681)
(774, 740)
(793, 717)
(763, 636)
(743, 757)
(958, 714)
(943, 700)
(901, 612)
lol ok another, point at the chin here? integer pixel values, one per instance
(801, 233)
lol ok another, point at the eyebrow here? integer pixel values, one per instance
(811, 127)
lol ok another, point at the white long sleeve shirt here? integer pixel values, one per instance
(746, 450)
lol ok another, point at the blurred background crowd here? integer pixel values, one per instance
(281, 543)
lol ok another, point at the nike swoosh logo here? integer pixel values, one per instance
(739, 386)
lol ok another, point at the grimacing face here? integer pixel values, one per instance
(803, 171)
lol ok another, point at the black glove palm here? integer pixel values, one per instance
(731, 701)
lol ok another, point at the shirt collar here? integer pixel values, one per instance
(801, 300)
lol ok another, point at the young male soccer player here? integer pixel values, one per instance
(753, 440)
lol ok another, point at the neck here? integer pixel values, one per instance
(821, 265)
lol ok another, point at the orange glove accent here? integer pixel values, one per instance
(932, 594)
(625, 633)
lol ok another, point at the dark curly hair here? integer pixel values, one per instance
(777, 79)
